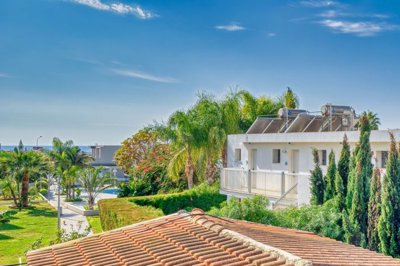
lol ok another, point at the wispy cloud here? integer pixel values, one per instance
(143, 75)
(360, 28)
(119, 8)
(319, 3)
(230, 27)
(271, 34)
(4, 75)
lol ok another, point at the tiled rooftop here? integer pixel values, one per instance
(180, 239)
(197, 239)
(321, 251)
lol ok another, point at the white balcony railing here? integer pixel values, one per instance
(276, 185)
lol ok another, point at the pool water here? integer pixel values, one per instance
(113, 191)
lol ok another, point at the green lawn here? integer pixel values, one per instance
(95, 224)
(26, 227)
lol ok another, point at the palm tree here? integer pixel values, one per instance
(68, 159)
(183, 133)
(373, 119)
(21, 165)
(94, 181)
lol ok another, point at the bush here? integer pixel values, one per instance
(119, 212)
(249, 209)
(203, 196)
(324, 220)
(43, 191)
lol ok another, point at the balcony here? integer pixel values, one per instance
(282, 188)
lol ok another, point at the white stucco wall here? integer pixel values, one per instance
(304, 143)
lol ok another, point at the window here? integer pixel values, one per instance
(238, 155)
(322, 157)
(276, 156)
(384, 157)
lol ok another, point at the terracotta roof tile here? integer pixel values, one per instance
(196, 239)
(321, 251)
(181, 239)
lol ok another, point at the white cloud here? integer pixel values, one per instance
(271, 34)
(143, 75)
(330, 14)
(360, 28)
(230, 27)
(118, 8)
(97, 4)
(4, 75)
(141, 13)
(319, 3)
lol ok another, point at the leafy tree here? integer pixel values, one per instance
(317, 181)
(94, 181)
(252, 107)
(389, 221)
(290, 99)
(135, 149)
(374, 211)
(344, 163)
(359, 208)
(329, 183)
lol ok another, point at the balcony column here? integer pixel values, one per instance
(249, 181)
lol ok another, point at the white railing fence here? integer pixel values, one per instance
(276, 185)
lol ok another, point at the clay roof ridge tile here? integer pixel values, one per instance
(198, 216)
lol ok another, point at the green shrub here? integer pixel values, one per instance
(249, 209)
(119, 212)
(324, 220)
(203, 196)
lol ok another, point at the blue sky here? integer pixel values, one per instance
(95, 71)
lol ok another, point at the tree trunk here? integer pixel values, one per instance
(25, 190)
(210, 171)
(224, 155)
(14, 198)
(189, 169)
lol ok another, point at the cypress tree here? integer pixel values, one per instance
(389, 221)
(339, 191)
(329, 183)
(344, 163)
(350, 180)
(359, 207)
(317, 181)
(374, 211)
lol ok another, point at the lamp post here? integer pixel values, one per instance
(58, 203)
(37, 140)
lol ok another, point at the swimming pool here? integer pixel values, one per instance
(113, 191)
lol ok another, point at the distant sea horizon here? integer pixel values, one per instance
(84, 148)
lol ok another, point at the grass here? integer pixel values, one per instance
(95, 224)
(26, 227)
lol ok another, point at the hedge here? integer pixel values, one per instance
(119, 212)
(203, 196)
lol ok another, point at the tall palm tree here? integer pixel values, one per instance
(94, 181)
(183, 133)
(68, 159)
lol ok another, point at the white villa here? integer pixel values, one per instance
(103, 155)
(274, 157)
